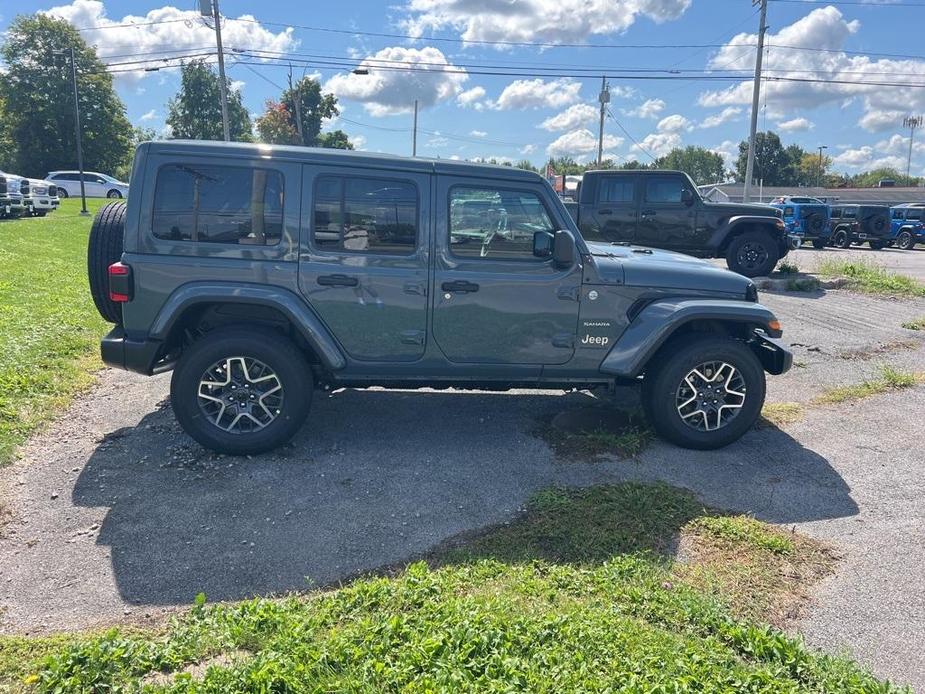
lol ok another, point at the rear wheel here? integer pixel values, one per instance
(753, 254)
(104, 249)
(841, 239)
(705, 393)
(114, 194)
(241, 390)
(62, 193)
(905, 240)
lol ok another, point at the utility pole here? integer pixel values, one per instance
(911, 122)
(756, 93)
(821, 167)
(207, 8)
(414, 132)
(604, 98)
(77, 129)
(297, 97)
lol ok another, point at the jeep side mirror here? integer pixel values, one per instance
(563, 254)
(687, 196)
(542, 244)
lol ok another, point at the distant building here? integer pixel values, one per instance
(732, 192)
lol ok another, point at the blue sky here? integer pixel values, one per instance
(467, 115)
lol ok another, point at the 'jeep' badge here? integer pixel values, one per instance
(596, 334)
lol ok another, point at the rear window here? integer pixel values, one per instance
(664, 189)
(615, 189)
(218, 204)
(913, 214)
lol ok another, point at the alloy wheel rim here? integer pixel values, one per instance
(240, 395)
(710, 396)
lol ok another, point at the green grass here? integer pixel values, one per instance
(915, 324)
(787, 268)
(780, 413)
(871, 278)
(889, 379)
(573, 596)
(49, 328)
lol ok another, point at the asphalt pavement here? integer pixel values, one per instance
(117, 515)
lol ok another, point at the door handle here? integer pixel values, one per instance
(605, 211)
(460, 286)
(337, 281)
(647, 213)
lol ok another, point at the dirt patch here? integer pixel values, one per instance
(196, 671)
(878, 350)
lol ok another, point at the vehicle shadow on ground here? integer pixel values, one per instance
(378, 477)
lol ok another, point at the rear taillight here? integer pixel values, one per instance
(120, 283)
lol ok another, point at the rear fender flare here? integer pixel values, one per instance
(739, 223)
(286, 302)
(658, 321)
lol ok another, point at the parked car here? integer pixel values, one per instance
(96, 185)
(859, 223)
(11, 198)
(805, 217)
(663, 209)
(44, 196)
(907, 227)
(258, 273)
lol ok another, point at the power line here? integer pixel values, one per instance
(133, 24)
(633, 139)
(868, 3)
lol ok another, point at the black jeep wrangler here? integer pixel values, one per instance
(260, 273)
(663, 209)
(859, 223)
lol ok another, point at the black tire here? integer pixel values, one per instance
(841, 238)
(662, 390)
(905, 240)
(753, 254)
(814, 223)
(114, 195)
(818, 244)
(104, 249)
(40, 213)
(276, 352)
(876, 245)
(63, 194)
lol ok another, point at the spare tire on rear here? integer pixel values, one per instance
(104, 249)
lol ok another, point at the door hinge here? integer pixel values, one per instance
(564, 340)
(567, 292)
(416, 288)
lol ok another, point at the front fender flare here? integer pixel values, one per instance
(659, 320)
(286, 302)
(722, 234)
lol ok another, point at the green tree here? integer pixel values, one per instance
(38, 109)
(869, 179)
(196, 111)
(565, 165)
(526, 165)
(336, 139)
(6, 141)
(142, 134)
(276, 126)
(699, 163)
(314, 108)
(773, 163)
(633, 164)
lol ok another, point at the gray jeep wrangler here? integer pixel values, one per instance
(260, 273)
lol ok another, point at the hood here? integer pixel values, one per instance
(638, 266)
(740, 208)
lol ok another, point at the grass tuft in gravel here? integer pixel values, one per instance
(787, 268)
(889, 379)
(572, 596)
(779, 413)
(50, 329)
(915, 324)
(871, 278)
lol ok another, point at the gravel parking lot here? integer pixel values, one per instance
(115, 514)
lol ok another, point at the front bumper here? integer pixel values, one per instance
(45, 203)
(122, 352)
(11, 205)
(775, 357)
(794, 241)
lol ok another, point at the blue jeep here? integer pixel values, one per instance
(806, 218)
(907, 228)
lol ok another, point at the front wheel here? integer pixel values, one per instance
(114, 194)
(705, 392)
(905, 240)
(241, 390)
(753, 254)
(62, 193)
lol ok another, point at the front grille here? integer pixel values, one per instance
(2, 185)
(24, 187)
(53, 191)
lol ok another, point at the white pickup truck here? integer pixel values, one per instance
(43, 196)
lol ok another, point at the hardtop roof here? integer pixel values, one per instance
(341, 157)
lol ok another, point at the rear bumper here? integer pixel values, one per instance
(122, 352)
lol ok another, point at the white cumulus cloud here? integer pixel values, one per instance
(575, 116)
(537, 93)
(796, 125)
(390, 91)
(730, 113)
(650, 108)
(581, 141)
(550, 21)
(472, 97)
(675, 123)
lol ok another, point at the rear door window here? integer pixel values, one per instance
(664, 189)
(365, 215)
(617, 190)
(218, 204)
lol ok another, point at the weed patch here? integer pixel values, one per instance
(889, 379)
(787, 268)
(871, 278)
(915, 324)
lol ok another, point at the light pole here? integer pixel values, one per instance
(80, 153)
(210, 8)
(756, 91)
(604, 98)
(821, 168)
(911, 122)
